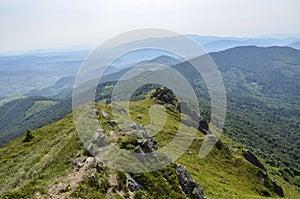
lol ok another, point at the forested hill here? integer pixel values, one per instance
(52, 162)
(263, 89)
(263, 93)
(274, 69)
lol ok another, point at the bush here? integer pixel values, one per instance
(29, 136)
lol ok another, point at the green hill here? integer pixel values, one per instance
(263, 112)
(31, 112)
(55, 164)
(262, 86)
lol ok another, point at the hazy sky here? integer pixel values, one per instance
(38, 24)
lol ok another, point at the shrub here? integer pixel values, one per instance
(29, 136)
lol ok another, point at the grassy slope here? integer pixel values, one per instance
(262, 86)
(32, 112)
(28, 168)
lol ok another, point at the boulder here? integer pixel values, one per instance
(197, 121)
(188, 185)
(77, 165)
(278, 189)
(105, 114)
(112, 123)
(90, 148)
(147, 144)
(140, 154)
(164, 96)
(100, 140)
(250, 157)
(131, 184)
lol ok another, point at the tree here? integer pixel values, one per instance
(29, 136)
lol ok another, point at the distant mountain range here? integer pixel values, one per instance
(214, 44)
(21, 73)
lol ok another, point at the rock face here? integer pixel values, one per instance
(165, 96)
(278, 189)
(263, 172)
(145, 142)
(105, 114)
(100, 140)
(201, 125)
(131, 184)
(254, 160)
(188, 185)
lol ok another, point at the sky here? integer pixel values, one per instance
(44, 24)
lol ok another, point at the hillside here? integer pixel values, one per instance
(32, 112)
(263, 114)
(263, 111)
(55, 164)
(22, 73)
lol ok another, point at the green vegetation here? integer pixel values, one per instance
(32, 112)
(38, 106)
(263, 112)
(28, 136)
(38, 167)
(262, 86)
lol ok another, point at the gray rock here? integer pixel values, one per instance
(77, 165)
(131, 184)
(278, 189)
(147, 144)
(105, 114)
(112, 123)
(134, 126)
(250, 157)
(95, 113)
(123, 110)
(188, 185)
(188, 152)
(100, 140)
(197, 121)
(90, 148)
(164, 96)
(140, 154)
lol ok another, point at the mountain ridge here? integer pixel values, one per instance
(55, 155)
(263, 110)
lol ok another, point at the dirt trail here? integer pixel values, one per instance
(70, 182)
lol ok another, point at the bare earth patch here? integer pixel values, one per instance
(67, 183)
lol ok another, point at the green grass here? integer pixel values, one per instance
(38, 106)
(31, 167)
(225, 173)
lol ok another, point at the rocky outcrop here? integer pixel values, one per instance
(250, 157)
(112, 123)
(165, 96)
(105, 114)
(203, 125)
(188, 185)
(147, 144)
(100, 140)
(144, 141)
(198, 122)
(278, 189)
(131, 184)
(263, 174)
